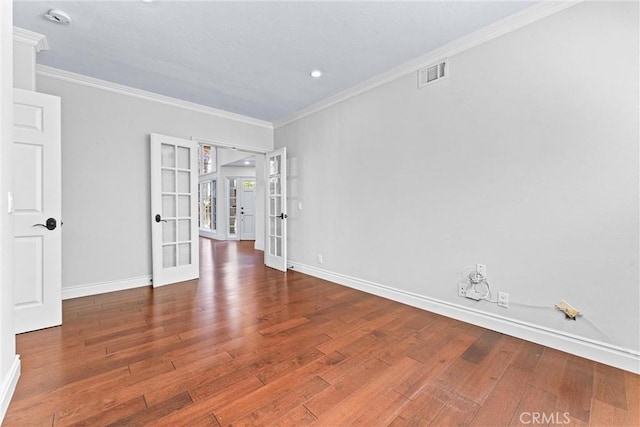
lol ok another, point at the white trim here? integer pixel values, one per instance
(511, 23)
(9, 386)
(214, 236)
(37, 40)
(56, 73)
(209, 234)
(104, 287)
(237, 147)
(581, 346)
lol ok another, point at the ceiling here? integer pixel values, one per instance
(250, 57)
(249, 161)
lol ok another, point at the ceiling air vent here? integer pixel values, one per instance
(432, 73)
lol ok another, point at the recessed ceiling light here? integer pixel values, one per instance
(58, 16)
(316, 74)
(247, 162)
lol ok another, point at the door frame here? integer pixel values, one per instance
(261, 178)
(227, 206)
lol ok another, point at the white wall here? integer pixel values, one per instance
(524, 159)
(105, 177)
(9, 362)
(261, 208)
(24, 76)
(228, 155)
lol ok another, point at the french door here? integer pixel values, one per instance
(37, 208)
(275, 254)
(174, 209)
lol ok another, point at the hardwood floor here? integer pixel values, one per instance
(247, 345)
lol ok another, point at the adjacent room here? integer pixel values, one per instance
(320, 213)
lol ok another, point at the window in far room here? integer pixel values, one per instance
(207, 157)
(208, 220)
(207, 190)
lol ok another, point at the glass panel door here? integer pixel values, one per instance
(275, 254)
(174, 208)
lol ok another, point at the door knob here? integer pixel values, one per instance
(50, 225)
(283, 216)
(159, 218)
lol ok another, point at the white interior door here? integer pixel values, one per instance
(174, 209)
(37, 208)
(247, 209)
(275, 254)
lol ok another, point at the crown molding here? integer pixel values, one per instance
(490, 32)
(56, 73)
(37, 40)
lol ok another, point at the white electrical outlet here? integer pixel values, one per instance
(503, 299)
(462, 289)
(320, 260)
(481, 269)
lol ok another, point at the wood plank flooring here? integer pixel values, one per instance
(249, 346)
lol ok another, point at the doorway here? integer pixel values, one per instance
(242, 208)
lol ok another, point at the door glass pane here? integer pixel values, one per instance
(168, 231)
(274, 186)
(183, 182)
(168, 181)
(274, 165)
(168, 156)
(275, 248)
(168, 256)
(184, 230)
(184, 254)
(183, 157)
(184, 206)
(276, 205)
(272, 206)
(168, 206)
(272, 246)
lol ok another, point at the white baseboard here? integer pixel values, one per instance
(9, 386)
(104, 287)
(584, 347)
(211, 235)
